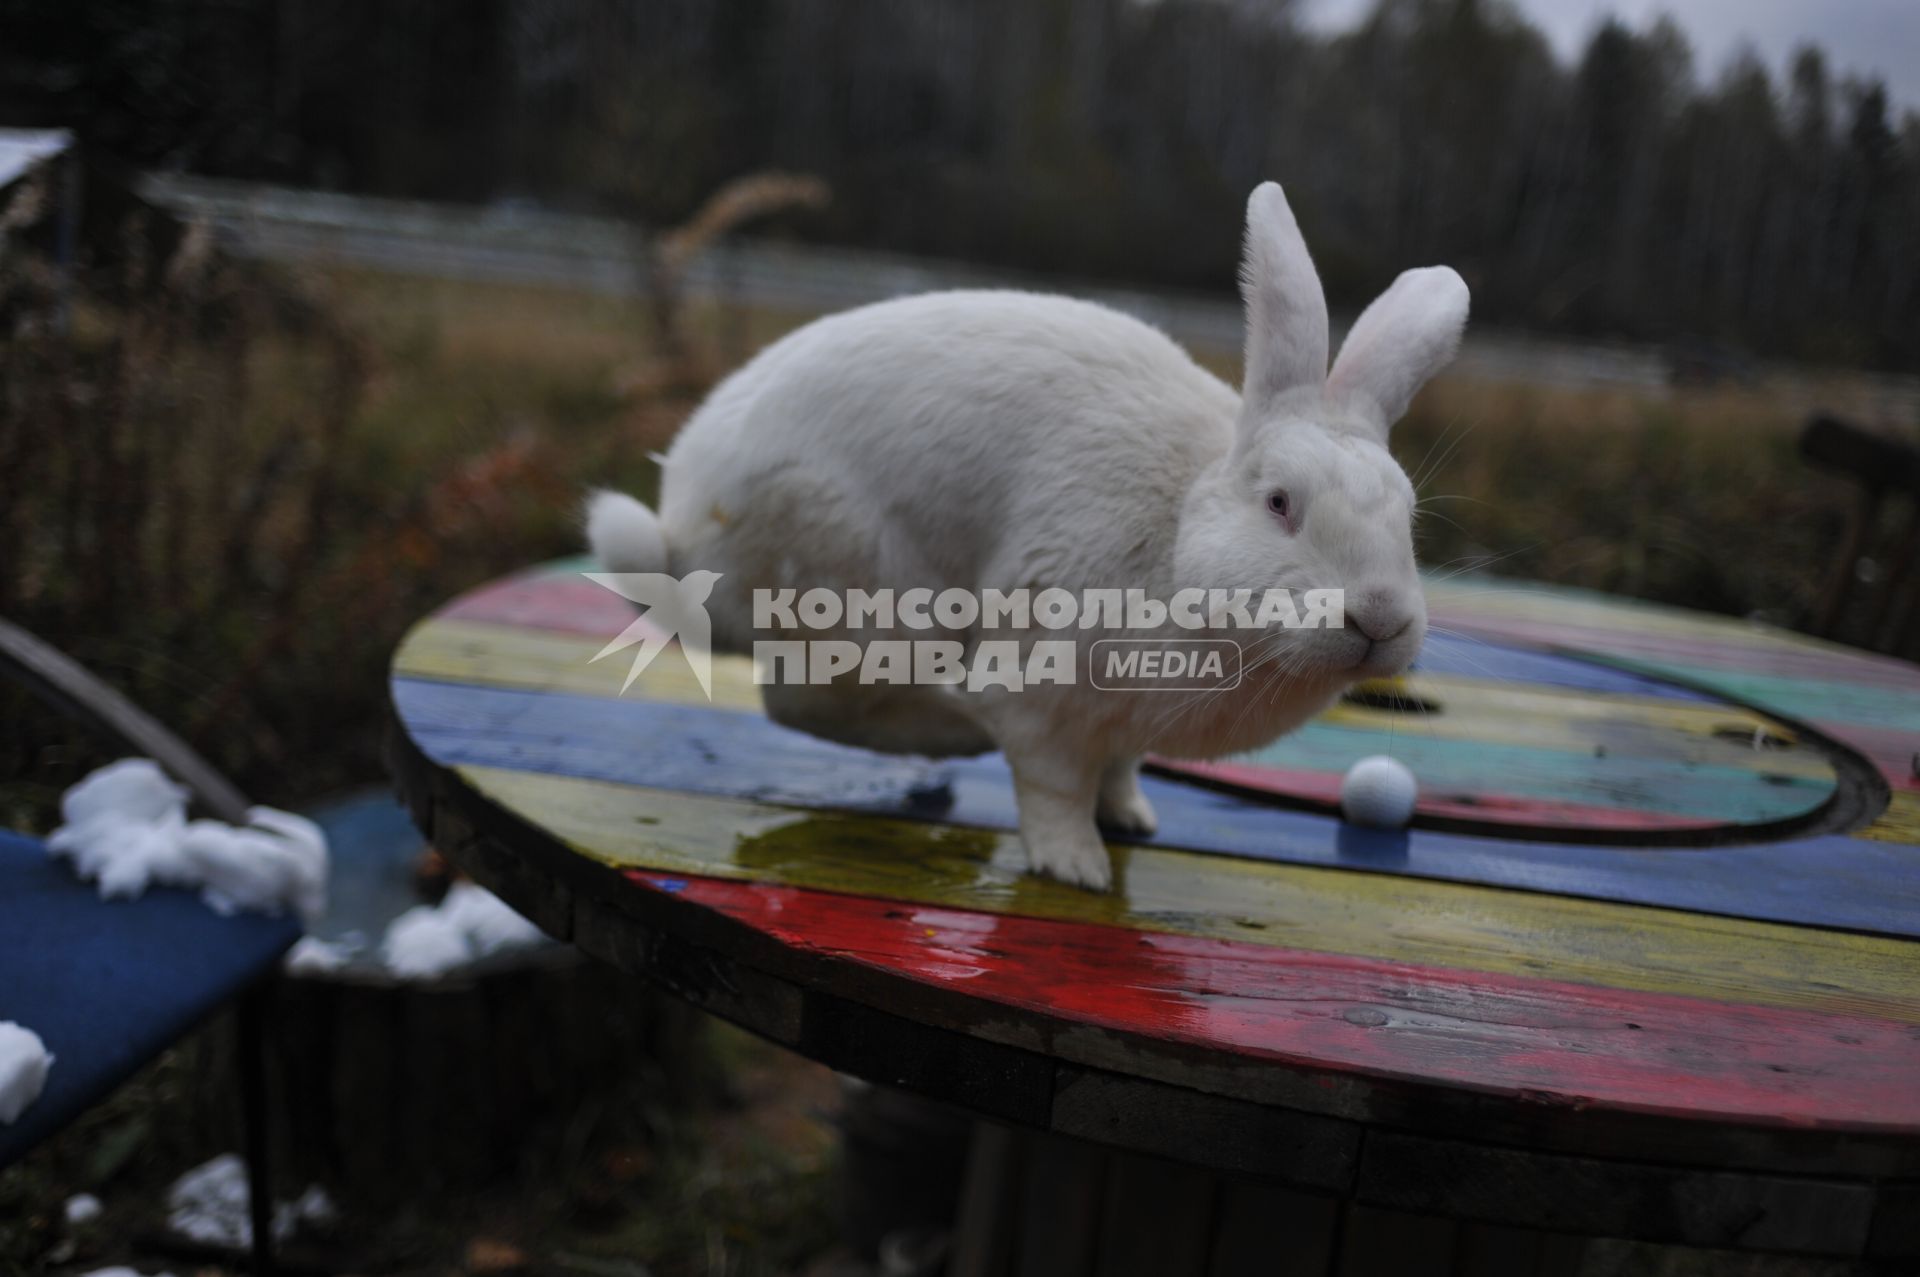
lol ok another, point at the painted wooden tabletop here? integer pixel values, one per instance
(1664, 880)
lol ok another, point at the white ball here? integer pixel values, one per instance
(1378, 791)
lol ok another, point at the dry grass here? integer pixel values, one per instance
(230, 494)
(1697, 499)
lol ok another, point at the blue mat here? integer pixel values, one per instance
(108, 985)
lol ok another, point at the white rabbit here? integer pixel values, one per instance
(998, 440)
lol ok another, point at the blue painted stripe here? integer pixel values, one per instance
(1478, 658)
(1828, 881)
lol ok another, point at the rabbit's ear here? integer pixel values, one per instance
(1286, 311)
(1405, 337)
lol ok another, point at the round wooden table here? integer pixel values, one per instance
(1647, 966)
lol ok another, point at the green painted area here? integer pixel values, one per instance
(1808, 699)
(1633, 769)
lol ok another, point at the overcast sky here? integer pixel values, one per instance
(1880, 37)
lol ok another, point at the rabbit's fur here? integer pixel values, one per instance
(1005, 439)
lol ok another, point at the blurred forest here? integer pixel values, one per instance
(1632, 195)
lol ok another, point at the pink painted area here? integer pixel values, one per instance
(1530, 1039)
(559, 602)
(1323, 789)
(1890, 749)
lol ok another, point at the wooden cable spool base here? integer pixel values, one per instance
(1708, 1041)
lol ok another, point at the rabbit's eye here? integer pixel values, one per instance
(1280, 505)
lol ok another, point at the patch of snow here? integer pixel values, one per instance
(470, 923)
(209, 1205)
(121, 1272)
(314, 1206)
(82, 1207)
(24, 1061)
(421, 942)
(311, 954)
(489, 922)
(126, 828)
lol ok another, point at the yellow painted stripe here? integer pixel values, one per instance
(1368, 915)
(546, 661)
(1900, 822)
(1473, 709)
(1486, 711)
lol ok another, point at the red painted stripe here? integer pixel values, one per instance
(1502, 1035)
(1503, 809)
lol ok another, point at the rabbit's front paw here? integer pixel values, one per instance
(1123, 809)
(1056, 792)
(1077, 861)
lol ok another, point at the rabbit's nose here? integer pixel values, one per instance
(1379, 614)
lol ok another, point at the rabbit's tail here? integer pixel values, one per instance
(624, 535)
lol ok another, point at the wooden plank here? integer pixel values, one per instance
(1489, 1250)
(1156, 1219)
(1896, 1223)
(1295, 1149)
(991, 1079)
(1384, 1243)
(1062, 1185)
(1821, 880)
(1367, 915)
(1536, 1040)
(985, 1233)
(773, 1008)
(1588, 1196)
(1263, 1230)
